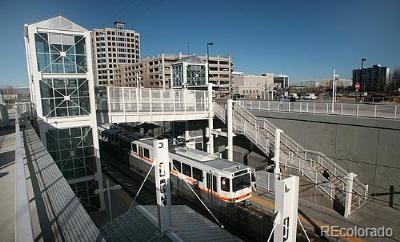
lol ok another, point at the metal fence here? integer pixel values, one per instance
(342, 109)
(151, 100)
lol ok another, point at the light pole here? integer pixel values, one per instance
(208, 54)
(108, 189)
(362, 72)
(334, 90)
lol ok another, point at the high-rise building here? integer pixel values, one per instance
(113, 47)
(371, 79)
(59, 60)
(156, 72)
(281, 80)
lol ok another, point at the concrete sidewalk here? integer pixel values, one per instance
(313, 216)
(7, 184)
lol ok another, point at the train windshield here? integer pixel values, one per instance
(241, 182)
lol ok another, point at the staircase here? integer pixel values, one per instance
(310, 164)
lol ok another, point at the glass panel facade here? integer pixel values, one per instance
(85, 192)
(73, 151)
(65, 97)
(196, 75)
(177, 75)
(60, 53)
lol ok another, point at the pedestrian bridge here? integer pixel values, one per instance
(130, 104)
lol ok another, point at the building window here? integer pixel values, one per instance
(60, 53)
(177, 165)
(65, 97)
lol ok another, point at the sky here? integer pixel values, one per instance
(303, 39)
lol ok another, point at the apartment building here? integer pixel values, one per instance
(371, 79)
(113, 47)
(156, 72)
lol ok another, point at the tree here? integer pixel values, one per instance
(393, 83)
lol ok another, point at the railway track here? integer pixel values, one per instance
(128, 181)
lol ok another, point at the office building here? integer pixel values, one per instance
(156, 72)
(281, 80)
(113, 47)
(61, 83)
(371, 79)
(252, 86)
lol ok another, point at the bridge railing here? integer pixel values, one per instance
(152, 100)
(342, 109)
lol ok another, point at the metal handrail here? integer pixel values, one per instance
(341, 109)
(23, 224)
(306, 156)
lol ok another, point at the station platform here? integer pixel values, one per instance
(313, 217)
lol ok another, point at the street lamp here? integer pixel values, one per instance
(208, 54)
(362, 72)
(334, 90)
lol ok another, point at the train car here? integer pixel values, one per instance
(124, 144)
(218, 181)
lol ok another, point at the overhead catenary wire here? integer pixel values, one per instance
(141, 186)
(201, 201)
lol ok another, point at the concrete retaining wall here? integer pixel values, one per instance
(368, 147)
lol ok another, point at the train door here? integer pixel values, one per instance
(209, 185)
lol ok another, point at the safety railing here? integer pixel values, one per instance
(151, 101)
(23, 225)
(341, 109)
(312, 164)
(147, 100)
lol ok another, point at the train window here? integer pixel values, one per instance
(197, 174)
(241, 182)
(134, 148)
(225, 184)
(186, 169)
(177, 165)
(146, 153)
(140, 151)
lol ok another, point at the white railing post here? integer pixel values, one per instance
(395, 111)
(276, 158)
(269, 106)
(210, 120)
(374, 111)
(313, 107)
(151, 102)
(109, 103)
(327, 108)
(300, 107)
(230, 129)
(289, 107)
(162, 100)
(349, 192)
(195, 100)
(123, 102)
(341, 109)
(357, 109)
(307, 107)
